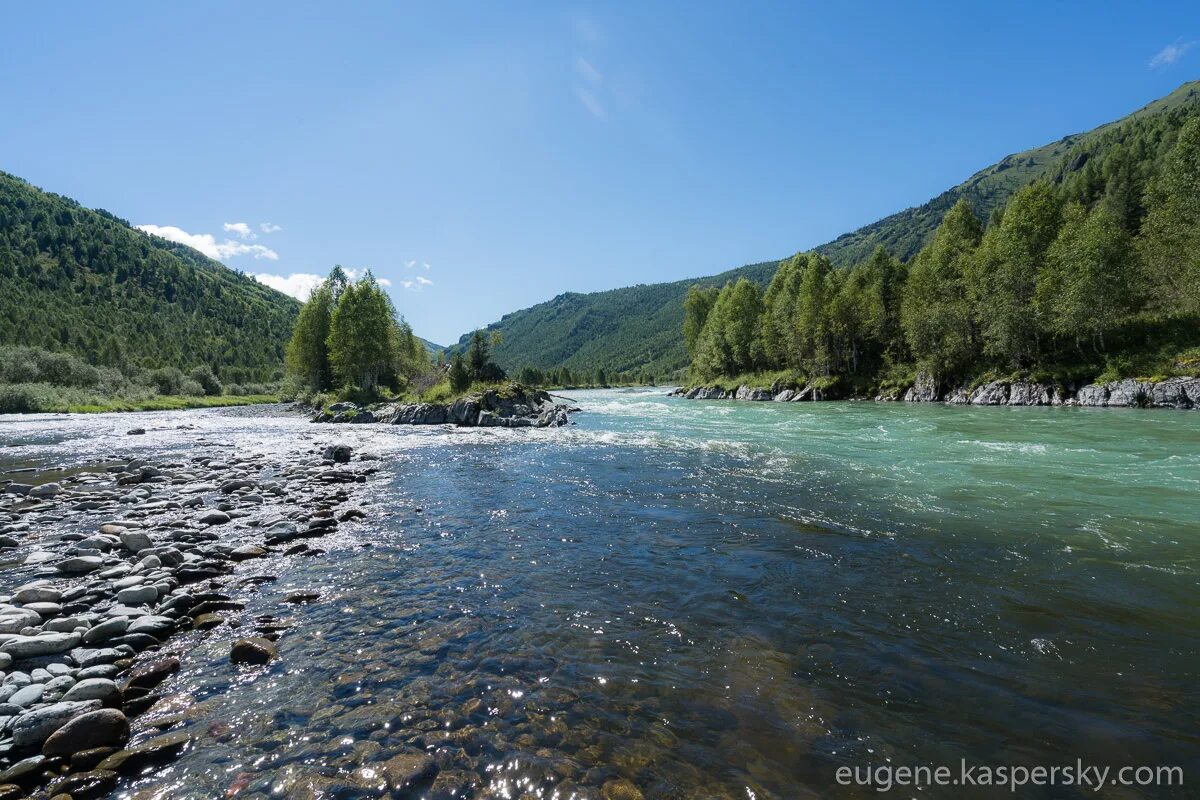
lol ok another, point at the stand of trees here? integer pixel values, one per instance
(349, 338)
(1085, 274)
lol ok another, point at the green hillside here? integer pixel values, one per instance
(85, 282)
(625, 329)
(616, 330)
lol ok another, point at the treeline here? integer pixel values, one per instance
(86, 283)
(349, 339)
(1099, 272)
(564, 377)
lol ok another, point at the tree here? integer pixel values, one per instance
(362, 335)
(1002, 279)
(779, 305)
(460, 376)
(935, 311)
(1084, 289)
(308, 352)
(1169, 250)
(478, 354)
(810, 316)
(730, 341)
(696, 307)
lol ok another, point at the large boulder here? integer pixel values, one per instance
(990, 394)
(34, 726)
(1127, 394)
(1175, 393)
(1025, 393)
(1094, 394)
(106, 727)
(924, 389)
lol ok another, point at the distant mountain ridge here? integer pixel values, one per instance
(639, 326)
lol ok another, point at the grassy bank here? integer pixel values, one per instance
(42, 398)
(170, 403)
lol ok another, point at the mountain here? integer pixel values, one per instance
(433, 349)
(86, 282)
(636, 326)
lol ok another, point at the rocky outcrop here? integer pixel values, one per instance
(1181, 393)
(747, 393)
(512, 406)
(924, 390)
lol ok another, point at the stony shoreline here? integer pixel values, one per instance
(101, 624)
(515, 406)
(1175, 393)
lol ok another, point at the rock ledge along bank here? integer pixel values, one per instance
(1177, 393)
(103, 619)
(514, 406)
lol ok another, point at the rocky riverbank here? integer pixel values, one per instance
(512, 406)
(1177, 393)
(120, 570)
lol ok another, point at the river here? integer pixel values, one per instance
(707, 600)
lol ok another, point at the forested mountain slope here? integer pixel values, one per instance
(628, 328)
(83, 281)
(617, 330)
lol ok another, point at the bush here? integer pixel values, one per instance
(19, 399)
(190, 388)
(167, 380)
(207, 380)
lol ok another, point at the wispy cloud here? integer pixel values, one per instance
(588, 71)
(1170, 54)
(414, 264)
(591, 103)
(269, 227)
(417, 283)
(241, 229)
(207, 244)
(299, 284)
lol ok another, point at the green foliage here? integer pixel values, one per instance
(1087, 285)
(729, 342)
(460, 376)
(1002, 281)
(83, 282)
(204, 377)
(347, 337)
(35, 380)
(1170, 241)
(935, 312)
(696, 306)
(479, 362)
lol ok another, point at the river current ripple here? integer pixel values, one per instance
(706, 600)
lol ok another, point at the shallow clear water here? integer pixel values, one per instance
(712, 599)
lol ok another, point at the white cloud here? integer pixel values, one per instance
(587, 71)
(299, 284)
(413, 264)
(417, 283)
(269, 227)
(241, 229)
(207, 244)
(590, 103)
(1170, 54)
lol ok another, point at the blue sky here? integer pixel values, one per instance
(483, 157)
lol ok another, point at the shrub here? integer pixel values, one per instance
(207, 380)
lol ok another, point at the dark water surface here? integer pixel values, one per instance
(714, 600)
